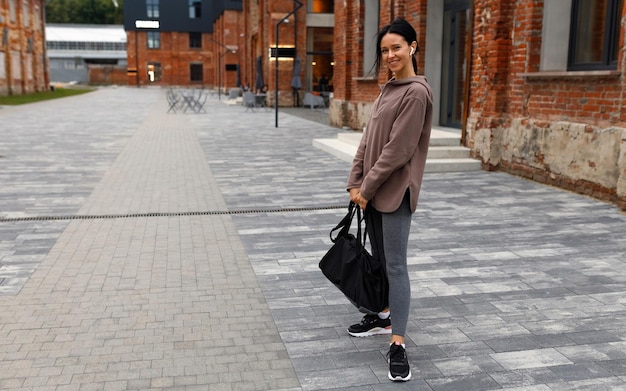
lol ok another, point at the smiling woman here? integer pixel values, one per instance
(386, 178)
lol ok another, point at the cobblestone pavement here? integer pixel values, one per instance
(141, 250)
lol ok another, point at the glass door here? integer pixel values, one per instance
(455, 36)
(319, 66)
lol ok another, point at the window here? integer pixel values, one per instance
(12, 10)
(195, 40)
(594, 34)
(370, 29)
(72, 45)
(154, 40)
(154, 71)
(36, 15)
(25, 13)
(195, 9)
(152, 8)
(195, 72)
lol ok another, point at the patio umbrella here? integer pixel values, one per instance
(296, 83)
(259, 83)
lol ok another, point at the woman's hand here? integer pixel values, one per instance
(357, 198)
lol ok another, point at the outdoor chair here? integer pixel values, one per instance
(189, 97)
(194, 100)
(249, 101)
(201, 101)
(174, 100)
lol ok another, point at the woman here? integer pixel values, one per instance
(386, 177)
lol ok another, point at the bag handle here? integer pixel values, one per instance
(345, 223)
(361, 236)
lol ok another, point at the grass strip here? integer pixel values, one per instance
(13, 100)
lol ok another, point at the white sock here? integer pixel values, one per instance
(384, 315)
(402, 344)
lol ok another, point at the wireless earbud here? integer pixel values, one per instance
(412, 50)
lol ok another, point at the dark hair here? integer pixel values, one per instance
(401, 27)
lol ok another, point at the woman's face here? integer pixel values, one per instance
(396, 54)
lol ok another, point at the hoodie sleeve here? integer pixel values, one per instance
(403, 141)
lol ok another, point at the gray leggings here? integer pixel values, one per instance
(389, 237)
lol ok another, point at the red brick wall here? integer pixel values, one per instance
(416, 14)
(229, 30)
(351, 90)
(590, 99)
(174, 56)
(500, 90)
(25, 70)
(343, 42)
(251, 23)
(507, 88)
(107, 75)
(490, 58)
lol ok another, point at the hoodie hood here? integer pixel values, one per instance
(407, 80)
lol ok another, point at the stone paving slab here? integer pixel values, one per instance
(515, 285)
(509, 277)
(144, 302)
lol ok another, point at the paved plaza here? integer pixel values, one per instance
(141, 250)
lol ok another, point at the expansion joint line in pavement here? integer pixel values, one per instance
(169, 214)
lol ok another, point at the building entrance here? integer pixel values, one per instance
(455, 35)
(319, 72)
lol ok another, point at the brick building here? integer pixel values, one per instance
(546, 93)
(537, 87)
(171, 42)
(23, 66)
(85, 53)
(303, 53)
(230, 43)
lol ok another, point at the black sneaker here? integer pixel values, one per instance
(398, 364)
(370, 325)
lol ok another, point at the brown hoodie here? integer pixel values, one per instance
(392, 154)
